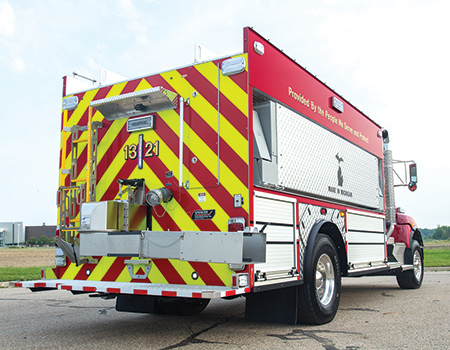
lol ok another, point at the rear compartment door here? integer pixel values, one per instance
(276, 216)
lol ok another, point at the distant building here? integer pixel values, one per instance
(39, 231)
(11, 233)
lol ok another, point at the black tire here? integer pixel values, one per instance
(319, 296)
(412, 279)
(182, 306)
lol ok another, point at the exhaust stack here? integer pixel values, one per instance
(389, 184)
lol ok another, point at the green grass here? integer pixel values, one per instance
(20, 273)
(436, 257)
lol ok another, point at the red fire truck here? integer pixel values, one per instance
(239, 176)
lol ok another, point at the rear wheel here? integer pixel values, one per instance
(412, 279)
(182, 306)
(320, 294)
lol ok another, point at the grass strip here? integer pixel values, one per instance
(20, 273)
(436, 257)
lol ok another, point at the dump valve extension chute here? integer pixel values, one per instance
(157, 196)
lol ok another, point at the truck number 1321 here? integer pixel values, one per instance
(151, 150)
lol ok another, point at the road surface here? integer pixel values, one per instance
(374, 314)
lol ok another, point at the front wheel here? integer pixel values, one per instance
(412, 279)
(319, 296)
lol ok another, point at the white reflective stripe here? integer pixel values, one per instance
(184, 291)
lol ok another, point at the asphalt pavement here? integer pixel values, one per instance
(374, 313)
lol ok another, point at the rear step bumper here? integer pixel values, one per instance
(169, 290)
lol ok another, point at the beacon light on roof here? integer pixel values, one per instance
(157, 196)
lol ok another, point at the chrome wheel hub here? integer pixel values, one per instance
(324, 279)
(417, 262)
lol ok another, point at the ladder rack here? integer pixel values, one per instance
(82, 188)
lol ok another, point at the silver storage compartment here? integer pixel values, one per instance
(113, 216)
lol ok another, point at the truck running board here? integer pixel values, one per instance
(389, 269)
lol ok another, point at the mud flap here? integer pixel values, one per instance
(274, 306)
(138, 303)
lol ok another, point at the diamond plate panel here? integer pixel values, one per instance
(308, 215)
(315, 161)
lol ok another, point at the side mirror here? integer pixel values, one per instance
(412, 186)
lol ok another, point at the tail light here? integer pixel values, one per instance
(236, 224)
(240, 280)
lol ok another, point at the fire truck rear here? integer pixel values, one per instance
(240, 176)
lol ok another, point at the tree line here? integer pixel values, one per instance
(44, 240)
(440, 233)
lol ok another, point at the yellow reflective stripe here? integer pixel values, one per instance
(111, 135)
(71, 272)
(124, 275)
(234, 139)
(49, 274)
(209, 159)
(62, 177)
(101, 269)
(221, 217)
(227, 178)
(223, 272)
(77, 114)
(173, 208)
(116, 89)
(185, 270)
(113, 169)
(227, 131)
(144, 84)
(228, 87)
(80, 110)
(156, 226)
(155, 275)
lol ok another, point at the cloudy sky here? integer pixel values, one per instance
(390, 58)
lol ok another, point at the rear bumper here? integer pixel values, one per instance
(205, 246)
(168, 290)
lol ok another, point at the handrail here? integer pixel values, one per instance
(89, 156)
(180, 160)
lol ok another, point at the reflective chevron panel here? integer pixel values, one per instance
(215, 165)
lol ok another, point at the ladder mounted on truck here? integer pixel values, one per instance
(82, 187)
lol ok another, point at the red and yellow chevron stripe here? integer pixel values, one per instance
(215, 165)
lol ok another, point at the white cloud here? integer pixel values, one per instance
(6, 19)
(18, 65)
